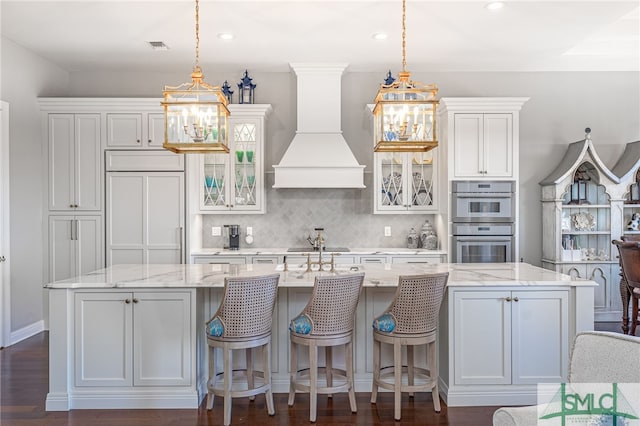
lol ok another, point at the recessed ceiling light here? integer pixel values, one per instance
(379, 36)
(225, 36)
(494, 5)
(158, 45)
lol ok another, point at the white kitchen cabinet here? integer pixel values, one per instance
(234, 183)
(483, 146)
(129, 339)
(405, 182)
(481, 137)
(220, 260)
(75, 245)
(416, 259)
(74, 162)
(509, 337)
(265, 260)
(135, 130)
(145, 217)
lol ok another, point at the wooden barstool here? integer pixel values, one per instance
(326, 321)
(630, 265)
(243, 321)
(410, 320)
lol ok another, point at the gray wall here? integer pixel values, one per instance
(26, 76)
(561, 106)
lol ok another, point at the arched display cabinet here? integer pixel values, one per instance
(582, 212)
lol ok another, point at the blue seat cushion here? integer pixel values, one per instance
(385, 323)
(215, 327)
(301, 324)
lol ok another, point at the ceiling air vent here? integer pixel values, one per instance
(158, 45)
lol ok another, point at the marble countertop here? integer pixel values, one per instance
(376, 275)
(283, 251)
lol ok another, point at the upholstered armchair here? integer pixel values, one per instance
(597, 357)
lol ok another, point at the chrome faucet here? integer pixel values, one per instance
(318, 244)
(318, 241)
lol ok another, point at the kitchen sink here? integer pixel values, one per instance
(310, 249)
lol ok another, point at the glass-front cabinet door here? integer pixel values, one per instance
(234, 182)
(405, 182)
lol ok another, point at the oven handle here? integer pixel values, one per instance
(483, 195)
(483, 238)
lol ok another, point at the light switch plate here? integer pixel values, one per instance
(387, 231)
(249, 230)
(216, 231)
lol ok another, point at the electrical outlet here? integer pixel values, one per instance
(216, 231)
(387, 231)
(249, 230)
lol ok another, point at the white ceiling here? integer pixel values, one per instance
(441, 35)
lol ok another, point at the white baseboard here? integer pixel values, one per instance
(25, 332)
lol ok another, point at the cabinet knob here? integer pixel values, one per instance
(75, 205)
(127, 301)
(135, 300)
(149, 141)
(2, 258)
(138, 140)
(71, 205)
(515, 299)
(508, 299)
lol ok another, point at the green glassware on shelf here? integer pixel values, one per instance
(239, 156)
(249, 156)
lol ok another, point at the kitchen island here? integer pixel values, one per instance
(132, 336)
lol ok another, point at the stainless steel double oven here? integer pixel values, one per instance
(483, 221)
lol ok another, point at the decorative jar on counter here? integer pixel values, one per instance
(412, 239)
(428, 237)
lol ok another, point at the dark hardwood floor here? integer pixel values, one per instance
(24, 373)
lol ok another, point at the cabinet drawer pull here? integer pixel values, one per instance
(135, 300)
(508, 299)
(127, 301)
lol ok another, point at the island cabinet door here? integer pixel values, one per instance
(103, 333)
(162, 338)
(540, 340)
(482, 337)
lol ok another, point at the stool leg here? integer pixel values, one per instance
(313, 382)
(349, 361)
(376, 370)
(397, 385)
(634, 314)
(410, 367)
(266, 361)
(228, 373)
(329, 366)
(249, 361)
(432, 362)
(293, 368)
(212, 378)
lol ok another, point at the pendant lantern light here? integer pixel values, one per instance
(195, 113)
(405, 111)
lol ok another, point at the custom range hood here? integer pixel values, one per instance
(318, 156)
